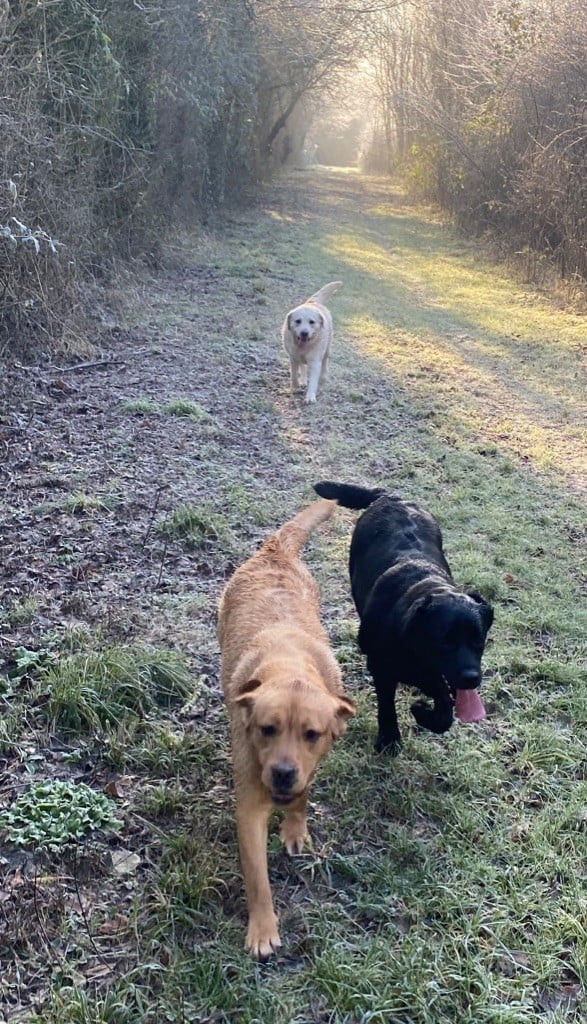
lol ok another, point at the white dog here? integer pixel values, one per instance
(307, 334)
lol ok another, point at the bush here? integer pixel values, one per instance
(122, 119)
(61, 155)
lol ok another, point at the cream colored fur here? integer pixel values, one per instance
(307, 337)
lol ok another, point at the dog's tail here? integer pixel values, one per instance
(324, 294)
(293, 535)
(348, 495)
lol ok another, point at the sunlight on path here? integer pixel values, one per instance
(543, 424)
(498, 361)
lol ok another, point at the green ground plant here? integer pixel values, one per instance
(144, 406)
(105, 689)
(185, 407)
(197, 527)
(79, 504)
(55, 814)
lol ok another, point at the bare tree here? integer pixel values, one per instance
(488, 115)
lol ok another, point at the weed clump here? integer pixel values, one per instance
(98, 691)
(54, 814)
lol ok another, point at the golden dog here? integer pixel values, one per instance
(286, 705)
(307, 337)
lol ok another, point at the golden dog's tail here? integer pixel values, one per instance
(293, 535)
(324, 294)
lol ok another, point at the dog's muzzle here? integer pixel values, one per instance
(283, 779)
(468, 680)
(282, 799)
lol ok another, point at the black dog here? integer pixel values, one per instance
(416, 626)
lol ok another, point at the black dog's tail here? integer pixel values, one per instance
(348, 495)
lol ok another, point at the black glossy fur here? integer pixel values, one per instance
(416, 627)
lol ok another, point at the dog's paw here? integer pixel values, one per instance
(435, 720)
(262, 937)
(293, 834)
(390, 746)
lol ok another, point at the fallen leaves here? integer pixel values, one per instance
(124, 862)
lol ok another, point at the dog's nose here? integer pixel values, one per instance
(469, 678)
(283, 777)
(304, 335)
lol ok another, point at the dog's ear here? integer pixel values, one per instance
(485, 611)
(245, 698)
(415, 617)
(345, 709)
(375, 629)
(321, 318)
(372, 630)
(364, 637)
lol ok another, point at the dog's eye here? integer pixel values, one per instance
(268, 730)
(298, 321)
(311, 735)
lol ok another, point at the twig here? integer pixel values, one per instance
(158, 583)
(160, 490)
(50, 946)
(88, 365)
(109, 361)
(96, 949)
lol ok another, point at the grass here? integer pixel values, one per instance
(92, 692)
(176, 407)
(81, 504)
(198, 527)
(142, 406)
(185, 407)
(20, 612)
(448, 883)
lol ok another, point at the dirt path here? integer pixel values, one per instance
(131, 488)
(88, 476)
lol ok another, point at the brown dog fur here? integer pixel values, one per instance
(286, 705)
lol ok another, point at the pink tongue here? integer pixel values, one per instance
(469, 706)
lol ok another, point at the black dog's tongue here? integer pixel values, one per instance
(468, 706)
